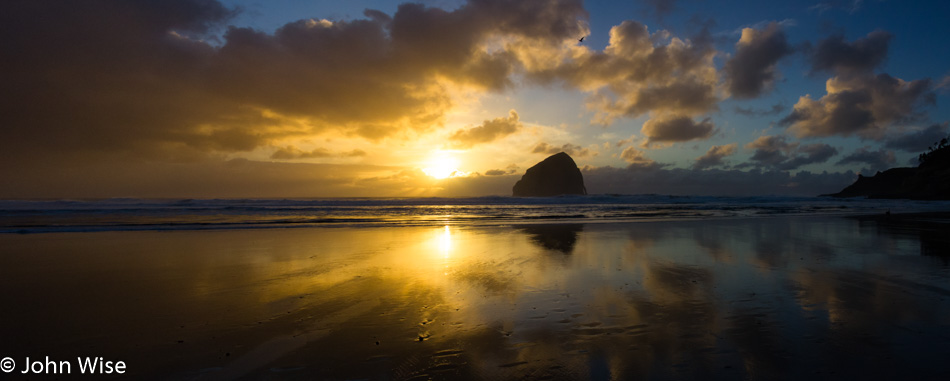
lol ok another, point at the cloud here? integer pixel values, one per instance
(246, 178)
(752, 70)
(919, 141)
(110, 75)
(809, 154)
(160, 85)
(776, 109)
(500, 172)
(510, 170)
(414, 183)
(713, 157)
(635, 74)
(771, 150)
(141, 78)
(858, 102)
(775, 152)
(712, 182)
(292, 152)
(623, 142)
(836, 55)
(488, 131)
(820, 7)
(163, 82)
(212, 178)
(671, 129)
(862, 105)
(568, 148)
(637, 159)
(943, 85)
(877, 160)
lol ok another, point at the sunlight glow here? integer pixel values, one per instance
(443, 166)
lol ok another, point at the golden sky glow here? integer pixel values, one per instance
(443, 165)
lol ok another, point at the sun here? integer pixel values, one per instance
(442, 166)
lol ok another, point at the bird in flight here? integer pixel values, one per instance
(581, 39)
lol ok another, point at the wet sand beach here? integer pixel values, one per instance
(804, 297)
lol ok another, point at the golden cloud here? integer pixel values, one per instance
(488, 131)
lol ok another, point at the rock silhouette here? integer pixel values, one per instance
(556, 175)
(909, 183)
(929, 181)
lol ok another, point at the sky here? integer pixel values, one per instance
(445, 98)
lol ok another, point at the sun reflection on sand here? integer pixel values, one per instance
(445, 242)
(565, 301)
(445, 246)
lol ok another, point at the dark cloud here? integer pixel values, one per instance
(861, 105)
(141, 76)
(673, 129)
(809, 154)
(110, 75)
(776, 109)
(876, 160)
(713, 157)
(712, 182)
(775, 152)
(751, 71)
(858, 102)
(512, 169)
(568, 148)
(918, 141)
(836, 55)
(488, 131)
(770, 151)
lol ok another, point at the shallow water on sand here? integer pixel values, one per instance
(760, 298)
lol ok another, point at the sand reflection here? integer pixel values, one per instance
(760, 298)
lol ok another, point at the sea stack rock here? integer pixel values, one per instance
(556, 175)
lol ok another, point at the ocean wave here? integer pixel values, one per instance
(35, 216)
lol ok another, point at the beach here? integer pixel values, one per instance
(775, 297)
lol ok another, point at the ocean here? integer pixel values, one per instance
(119, 214)
(596, 287)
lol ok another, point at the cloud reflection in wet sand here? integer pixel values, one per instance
(762, 298)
